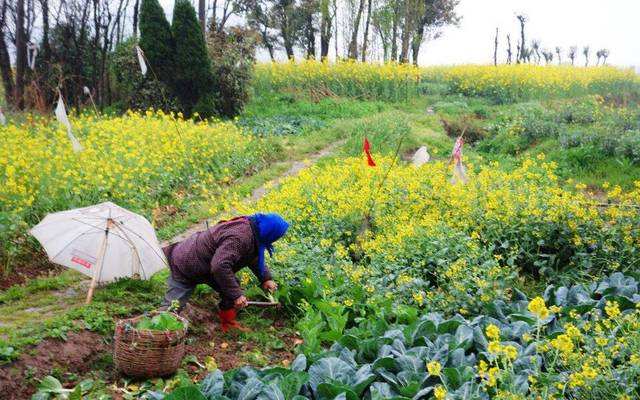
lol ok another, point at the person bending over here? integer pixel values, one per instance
(214, 256)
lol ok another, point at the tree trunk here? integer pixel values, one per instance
(311, 37)
(508, 49)
(406, 37)
(394, 30)
(366, 31)
(325, 29)
(46, 47)
(416, 43)
(335, 24)
(5, 61)
(495, 49)
(202, 14)
(353, 43)
(136, 6)
(21, 55)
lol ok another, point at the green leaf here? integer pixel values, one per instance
(384, 362)
(212, 385)
(251, 389)
(49, 384)
(330, 369)
(300, 363)
(271, 392)
(186, 393)
(464, 337)
(292, 384)
(330, 391)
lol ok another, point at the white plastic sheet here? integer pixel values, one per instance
(61, 115)
(421, 157)
(143, 65)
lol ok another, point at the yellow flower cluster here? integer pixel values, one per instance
(390, 81)
(524, 81)
(133, 160)
(418, 212)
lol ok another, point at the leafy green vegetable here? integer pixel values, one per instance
(163, 321)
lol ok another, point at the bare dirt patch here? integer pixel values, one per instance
(75, 355)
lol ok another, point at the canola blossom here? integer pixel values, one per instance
(390, 81)
(508, 83)
(429, 242)
(139, 160)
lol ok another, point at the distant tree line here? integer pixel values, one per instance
(535, 53)
(79, 43)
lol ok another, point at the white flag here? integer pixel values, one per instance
(61, 115)
(3, 119)
(459, 173)
(143, 65)
(32, 52)
(86, 91)
(421, 156)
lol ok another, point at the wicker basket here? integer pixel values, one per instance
(146, 353)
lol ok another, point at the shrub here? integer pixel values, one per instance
(232, 54)
(132, 90)
(468, 125)
(156, 40)
(192, 73)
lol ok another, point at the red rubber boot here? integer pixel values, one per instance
(228, 320)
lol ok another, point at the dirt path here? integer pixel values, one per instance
(259, 192)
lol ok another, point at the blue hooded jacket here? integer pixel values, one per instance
(270, 227)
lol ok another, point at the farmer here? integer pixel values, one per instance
(215, 255)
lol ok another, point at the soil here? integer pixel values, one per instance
(82, 355)
(22, 273)
(75, 355)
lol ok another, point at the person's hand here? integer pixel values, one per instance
(240, 302)
(270, 286)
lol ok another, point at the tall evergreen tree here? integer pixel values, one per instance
(156, 40)
(192, 75)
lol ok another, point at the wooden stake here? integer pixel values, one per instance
(99, 262)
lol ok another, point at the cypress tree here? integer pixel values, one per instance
(156, 40)
(192, 75)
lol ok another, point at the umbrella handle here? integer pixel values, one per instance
(99, 263)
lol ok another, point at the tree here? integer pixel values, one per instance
(573, 51)
(436, 15)
(5, 61)
(382, 20)
(306, 24)
(548, 56)
(522, 52)
(202, 15)
(284, 17)
(585, 52)
(535, 47)
(326, 22)
(559, 54)
(258, 16)
(21, 55)
(495, 49)
(605, 55)
(192, 73)
(352, 51)
(508, 48)
(156, 40)
(365, 40)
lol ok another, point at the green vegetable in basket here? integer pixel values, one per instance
(163, 321)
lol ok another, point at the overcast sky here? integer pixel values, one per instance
(612, 24)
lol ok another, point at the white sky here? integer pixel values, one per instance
(612, 24)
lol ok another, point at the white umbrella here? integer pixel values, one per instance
(105, 242)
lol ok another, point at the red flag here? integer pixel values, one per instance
(367, 150)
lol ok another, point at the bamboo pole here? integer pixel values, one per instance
(99, 262)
